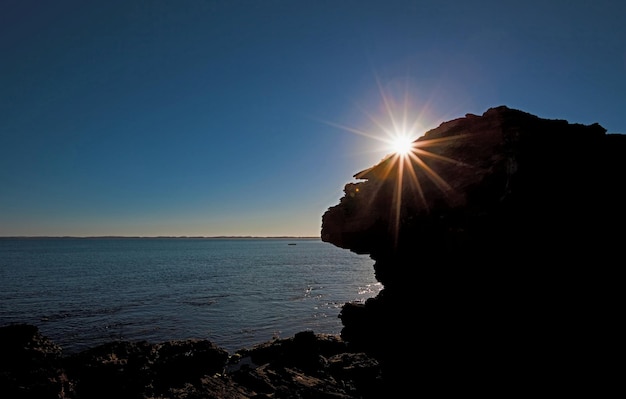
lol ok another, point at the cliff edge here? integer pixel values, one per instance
(498, 240)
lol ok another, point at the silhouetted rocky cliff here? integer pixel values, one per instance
(499, 245)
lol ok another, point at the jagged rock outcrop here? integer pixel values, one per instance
(498, 242)
(306, 365)
(30, 364)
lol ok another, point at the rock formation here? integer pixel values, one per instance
(307, 365)
(498, 242)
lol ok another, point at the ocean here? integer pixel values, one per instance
(235, 292)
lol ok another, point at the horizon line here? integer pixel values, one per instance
(166, 236)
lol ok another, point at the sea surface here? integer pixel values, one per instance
(236, 292)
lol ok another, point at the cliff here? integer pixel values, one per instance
(498, 242)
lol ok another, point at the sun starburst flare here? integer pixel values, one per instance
(407, 162)
(402, 145)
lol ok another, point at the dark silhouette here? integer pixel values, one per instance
(498, 243)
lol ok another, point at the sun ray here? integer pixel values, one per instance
(353, 130)
(418, 187)
(439, 157)
(432, 175)
(410, 163)
(398, 201)
(388, 108)
(439, 140)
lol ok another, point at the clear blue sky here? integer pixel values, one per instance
(223, 117)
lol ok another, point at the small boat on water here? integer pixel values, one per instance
(292, 243)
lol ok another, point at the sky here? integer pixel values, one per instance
(248, 117)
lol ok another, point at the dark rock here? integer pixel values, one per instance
(307, 365)
(30, 364)
(497, 243)
(115, 369)
(180, 362)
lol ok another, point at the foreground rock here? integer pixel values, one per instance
(499, 245)
(307, 365)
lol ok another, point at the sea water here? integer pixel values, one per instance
(236, 292)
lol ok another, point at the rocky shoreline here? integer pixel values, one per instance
(307, 365)
(498, 243)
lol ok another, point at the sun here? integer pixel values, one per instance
(408, 162)
(401, 144)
